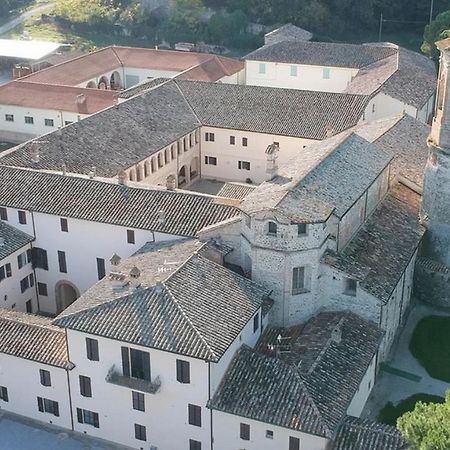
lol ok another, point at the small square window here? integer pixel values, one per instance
(294, 71)
(262, 68)
(49, 123)
(269, 434)
(326, 73)
(301, 229)
(42, 289)
(130, 237)
(29, 120)
(9, 117)
(232, 140)
(243, 165)
(3, 214)
(350, 287)
(211, 160)
(272, 228)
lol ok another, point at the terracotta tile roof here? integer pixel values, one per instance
(358, 434)
(327, 54)
(213, 69)
(97, 63)
(13, 239)
(198, 311)
(108, 202)
(385, 244)
(61, 98)
(33, 337)
(306, 380)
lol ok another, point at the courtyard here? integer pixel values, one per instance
(404, 376)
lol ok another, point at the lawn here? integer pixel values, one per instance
(390, 413)
(430, 345)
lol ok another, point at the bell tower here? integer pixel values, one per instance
(436, 189)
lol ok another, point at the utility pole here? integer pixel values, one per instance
(431, 11)
(381, 27)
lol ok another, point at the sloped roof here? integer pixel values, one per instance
(356, 434)
(287, 32)
(33, 337)
(85, 67)
(324, 178)
(327, 54)
(60, 98)
(198, 311)
(307, 386)
(127, 133)
(284, 112)
(108, 202)
(13, 239)
(385, 244)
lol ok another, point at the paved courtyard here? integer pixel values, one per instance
(18, 433)
(390, 387)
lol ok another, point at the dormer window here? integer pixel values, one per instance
(272, 229)
(301, 229)
(350, 287)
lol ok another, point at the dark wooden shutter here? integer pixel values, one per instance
(294, 443)
(80, 415)
(125, 362)
(40, 404)
(146, 366)
(96, 421)
(56, 409)
(245, 431)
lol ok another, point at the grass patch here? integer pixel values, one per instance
(390, 413)
(430, 346)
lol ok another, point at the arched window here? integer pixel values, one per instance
(272, 228)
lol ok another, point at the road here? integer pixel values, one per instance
(18, 20)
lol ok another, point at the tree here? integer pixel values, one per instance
(427, 427)
(438, 29)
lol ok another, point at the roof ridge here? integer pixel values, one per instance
(187, 101)
(364, 424)
(188, 320)
(20, 319)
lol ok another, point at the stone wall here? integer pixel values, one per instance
(432, 283)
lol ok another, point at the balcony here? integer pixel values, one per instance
(115, 377)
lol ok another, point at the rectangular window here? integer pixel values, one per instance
(195, 445)
(3, 214)
(298, 280)
(269, 434)
(244, 142)
(40, 260)
(211, 160)
(301, 229)
(49, 122)
(130, 236)
(62, 261)
(326, 73)
(262, 68)
(9, 117)
(8, 270)
(22, 217)
(232, 140)
(294, 443)
(294, 71)
(243, 165)
(48, 406)
(24, 284)
(88, 417)
(183, 371)
(92, 349)
(29, 306)
(4, 394)
(256, 323)
(85, 386)
(209, 137)
(350, 287)
(195, 415)
(245, 431)
(45, 377)
(101, 270)
(42, 289)
(136, 364)
(29, 120)
(140, 432)
(22, 260)
(64, 225)
(138, 401)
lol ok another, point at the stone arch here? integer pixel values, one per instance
(91, 85)
(65, 294)
(193, 172)
(103, 83)
(183, 176)
(115, 81)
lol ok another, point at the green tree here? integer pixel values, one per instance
(427, 427)
(438, 29)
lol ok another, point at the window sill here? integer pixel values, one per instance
(301, 291)
(350, 294)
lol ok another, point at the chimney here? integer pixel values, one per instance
(271, 160)
(170, 183)
(64, 169)
(115, 259)
(162, 218)
(336, 333)
(135, 273)
(329, 131)
(82, 103)
(35, 153)
(122, 177)
(92, 172)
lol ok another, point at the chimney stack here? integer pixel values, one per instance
(35, 157)
(115, 259)
(272, 158)
(336, 333)
(64, 169)
(329, 131)
(162, 218)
